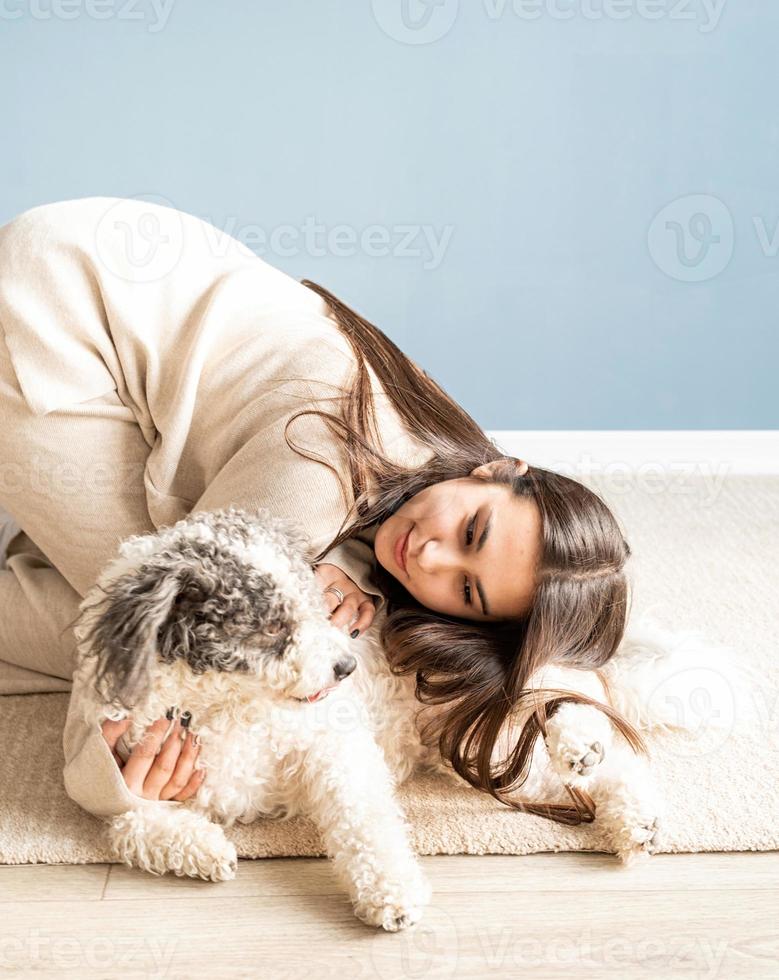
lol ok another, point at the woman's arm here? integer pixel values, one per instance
(265, 472)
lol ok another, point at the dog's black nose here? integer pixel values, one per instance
(344, 667)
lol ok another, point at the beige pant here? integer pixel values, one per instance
(73, 479)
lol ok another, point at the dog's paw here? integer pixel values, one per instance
(395, 908)
(180, 841)
(583, 759)
(631, 809)
(646, 834)
(639, 840)
(391, 916)
(576, 739)
(218, 863)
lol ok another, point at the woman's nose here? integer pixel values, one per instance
(434, 557)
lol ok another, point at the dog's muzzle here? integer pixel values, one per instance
(341, 670)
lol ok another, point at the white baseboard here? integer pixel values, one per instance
(610, 452)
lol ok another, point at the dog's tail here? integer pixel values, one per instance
(678, 679)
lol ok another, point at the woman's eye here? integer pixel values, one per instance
(470, 530)
(468, 540)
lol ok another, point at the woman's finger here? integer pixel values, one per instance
(164, 764)
(194, 784)
(112, 732)
(182, 774)
(143, 755)
(366, 611)
(346, 611)
(357, 609)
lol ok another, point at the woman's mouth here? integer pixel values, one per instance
(401, 546)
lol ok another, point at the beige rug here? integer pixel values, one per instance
(705, 557)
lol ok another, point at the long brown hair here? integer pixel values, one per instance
(481, 671)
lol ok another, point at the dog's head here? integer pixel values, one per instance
(222, 591)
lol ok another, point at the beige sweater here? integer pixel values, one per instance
(203, 340)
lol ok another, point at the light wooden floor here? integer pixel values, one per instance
(545, 915)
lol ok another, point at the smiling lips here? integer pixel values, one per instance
(401, 546)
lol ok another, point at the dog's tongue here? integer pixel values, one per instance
(319, 695)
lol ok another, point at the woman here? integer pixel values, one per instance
(152, 366)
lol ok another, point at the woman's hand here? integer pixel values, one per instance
(357, 610)
(167, 775)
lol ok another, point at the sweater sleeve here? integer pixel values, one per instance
(263, 471)
(91, 776)
(356, 559)
(294, 498)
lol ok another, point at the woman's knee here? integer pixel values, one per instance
(38, 608)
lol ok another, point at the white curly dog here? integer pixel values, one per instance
(220, 613)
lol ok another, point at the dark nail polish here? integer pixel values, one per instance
(186, 718)
(354, 634)
(170, 713)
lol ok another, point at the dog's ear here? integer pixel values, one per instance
(124, 628)
(224, 615)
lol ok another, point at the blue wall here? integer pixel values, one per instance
(513, 159)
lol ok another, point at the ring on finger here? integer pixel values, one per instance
(337, 591)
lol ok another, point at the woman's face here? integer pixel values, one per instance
(451, 565)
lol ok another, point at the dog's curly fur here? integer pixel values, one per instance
(221, 615)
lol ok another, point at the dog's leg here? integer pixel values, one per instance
(578, 737)
(164, 837)
(350, 793)
(628, 804)
(584, 752)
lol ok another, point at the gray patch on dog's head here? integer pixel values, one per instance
(222, 603)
